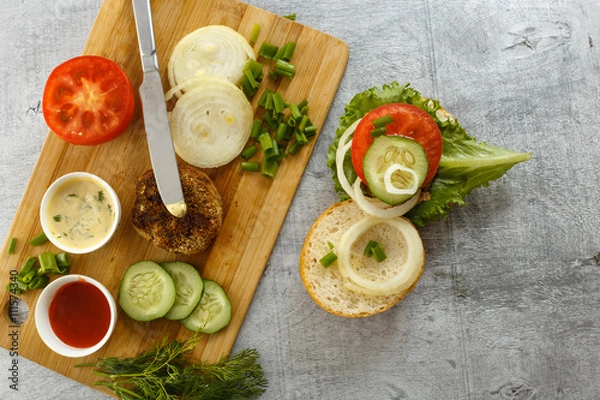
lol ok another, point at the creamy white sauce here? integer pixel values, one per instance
(80, 214)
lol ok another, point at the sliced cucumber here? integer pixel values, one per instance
(405, 162)
(147, 291)
(213, 313)
(188, 285)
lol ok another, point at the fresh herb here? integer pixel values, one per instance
(167, 371)
(72, 195)
(465, 164)
(57, 218)
(100, 196)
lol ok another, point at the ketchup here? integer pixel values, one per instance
(79, 314)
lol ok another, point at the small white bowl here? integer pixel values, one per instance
(42, 319)
(51, 196)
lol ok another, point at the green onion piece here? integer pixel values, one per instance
(39, 282)
(262, 102)
(301, 137)
(254, 84)
(14, 288)
(27, 266)
(328, 259)
(310, 130)
(378, 132)
(274, 75)
(267, 50)
(254, 34)
(295, 147)
(255, 68)
(378, 253)
(278, 103)
(38, 239)
(369, 248)
(383, 121)
(11, 246)
(21, 286)
(249, 152)
(269, 147)
(330, 245)
(290, 16)
(269, 169)
(251, 166)
(29, 276)
(256, 127)
(48, 264)
(285, 68)
(281, 132)
(63, 260)
(303, 105)
(286, 51)
(295, 111)
(271, 121)
(303, 123)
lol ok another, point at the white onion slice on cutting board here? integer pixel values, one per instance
(215, 50)
(211, 122)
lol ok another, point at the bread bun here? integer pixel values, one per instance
(328, 288)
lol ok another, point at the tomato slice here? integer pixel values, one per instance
(88, 100)
(409, 121)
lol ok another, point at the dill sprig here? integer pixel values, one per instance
(168, 372)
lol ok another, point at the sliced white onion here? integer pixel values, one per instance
(211, 123)
(407, 273)
(378, 208)
(389, 185)
(215, 50)
(344, 145)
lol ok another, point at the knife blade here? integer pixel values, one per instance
(156, 119)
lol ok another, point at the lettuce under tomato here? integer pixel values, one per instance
(465, 164)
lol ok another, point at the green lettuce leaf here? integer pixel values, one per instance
(465, 164)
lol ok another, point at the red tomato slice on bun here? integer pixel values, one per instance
(88, 100)
(409, 121)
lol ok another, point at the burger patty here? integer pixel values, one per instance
(193, 232)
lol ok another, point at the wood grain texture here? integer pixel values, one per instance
(254, 207)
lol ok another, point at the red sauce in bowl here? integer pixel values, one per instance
(79, 314)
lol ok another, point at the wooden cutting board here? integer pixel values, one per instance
(255, 207)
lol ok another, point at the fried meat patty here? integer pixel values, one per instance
(190, 234)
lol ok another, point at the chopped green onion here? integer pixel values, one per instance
(278, 103)
(383, 121)
(295, 111)
(378, 132)
(29, 276)
(251, 166)
(310, 130)
(269, 169)
(328, 259)
(38, 282)
(291, 17)
(295, 147)
(267, 50)
(27, 266)
(281, 132)
(256, 127)
(39, 239)
(286, 51)
(254, 34)
(63, 260)
(285, 68)
(249, 152)
(374, 249)
(11, 246)
(48, 264)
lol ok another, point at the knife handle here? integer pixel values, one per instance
(145, 32)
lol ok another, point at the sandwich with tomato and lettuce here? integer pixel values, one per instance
(398, 160)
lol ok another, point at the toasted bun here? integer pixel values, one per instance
(326, 286)
(193, 232)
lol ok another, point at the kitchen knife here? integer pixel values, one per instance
(156, 119)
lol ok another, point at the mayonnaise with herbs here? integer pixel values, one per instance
(80, 214)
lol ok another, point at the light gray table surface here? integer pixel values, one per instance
(508, 305)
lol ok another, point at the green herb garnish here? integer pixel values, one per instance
(167, 371)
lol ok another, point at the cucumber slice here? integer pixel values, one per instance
(405, 162)
(213, 313)
(147, 291)
(188, 286)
